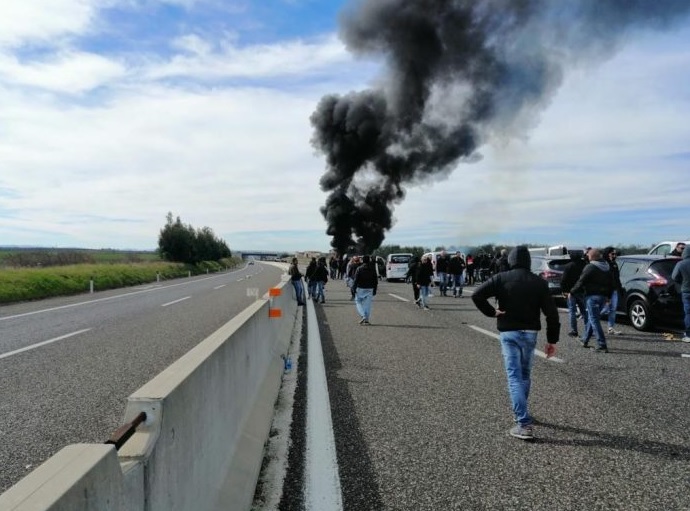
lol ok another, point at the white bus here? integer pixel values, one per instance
(396, 266)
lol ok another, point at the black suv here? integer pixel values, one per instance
(649, 294)
(550, 268)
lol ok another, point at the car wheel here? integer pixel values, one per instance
(638, 312)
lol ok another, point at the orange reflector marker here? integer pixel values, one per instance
(274, 291)
(275, 313)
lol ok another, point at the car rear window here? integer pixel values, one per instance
(664, 267)
(401, 259)
(558, 264)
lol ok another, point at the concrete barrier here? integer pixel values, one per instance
(201, 447)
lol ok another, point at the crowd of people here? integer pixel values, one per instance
(590, 282)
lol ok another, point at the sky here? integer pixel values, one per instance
(115, 112)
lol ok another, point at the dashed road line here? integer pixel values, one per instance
(176, 301)
(221, 286)
(398, 297)
(539, 353)
(38, 345)
(685, 355)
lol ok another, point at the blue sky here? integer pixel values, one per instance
(114, 112)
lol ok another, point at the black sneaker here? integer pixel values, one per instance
(585, 344)
(601, 349)
(572, 333)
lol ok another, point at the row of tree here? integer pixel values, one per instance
(185, 244)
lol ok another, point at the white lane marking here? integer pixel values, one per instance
(539, 353)
(176, 301)
(38, 345)
(398, 297)
(685, 355)
(221, 286)
(322, 481)
(107, 298)
(240, 280)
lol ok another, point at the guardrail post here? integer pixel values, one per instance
(91, 286)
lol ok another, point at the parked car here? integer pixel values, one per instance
(649, 294)
(550, 268)
(665, 247)
(397, 266)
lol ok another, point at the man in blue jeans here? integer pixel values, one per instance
(364, 285)
(681, 275)
(597, 283)
(522, 297)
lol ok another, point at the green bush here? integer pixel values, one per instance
(22, 284)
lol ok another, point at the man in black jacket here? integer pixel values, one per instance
(365, 284)
(597, 284)
(522, 296)
(571, 273)
(610, 255)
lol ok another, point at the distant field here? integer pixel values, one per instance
(114, 270)
(43, 257)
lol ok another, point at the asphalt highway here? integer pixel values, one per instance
(68, 364)
(421, 414)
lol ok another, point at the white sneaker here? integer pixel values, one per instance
(685, 338)
(613, 331)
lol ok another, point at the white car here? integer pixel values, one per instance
(665, 247)
(397, 266)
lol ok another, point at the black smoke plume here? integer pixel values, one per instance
(457, 72)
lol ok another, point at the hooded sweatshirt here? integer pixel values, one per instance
(681, 273)
(596, 279)
(522, 295)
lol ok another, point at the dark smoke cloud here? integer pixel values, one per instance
(456, 71)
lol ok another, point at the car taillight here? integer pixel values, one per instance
(549, 275)
(657, 280)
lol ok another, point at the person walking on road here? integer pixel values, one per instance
(350, 271)
(411, 275)
(522, 297)
(571, 274)
(442, 272)
(309, 277)
(425, 276)
(597, 284)
(456, 270)
(681, 275)
(365, 284)
(320, 277)
(610, 256)
(296, 280)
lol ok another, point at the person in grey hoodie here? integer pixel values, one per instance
(597, 283)
(681, 275)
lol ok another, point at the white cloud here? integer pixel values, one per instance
(66, 72)
(256, 61)
(44, 20)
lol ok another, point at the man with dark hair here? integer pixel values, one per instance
(681, 275)
(456, 269)
(320, 278)
(296, 280)
(365, 284)
(678, 251)
(442, 272)
(521, 296)
(610, 254)
(597, 285)
(571, 273)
